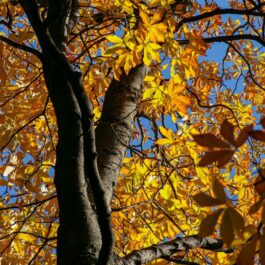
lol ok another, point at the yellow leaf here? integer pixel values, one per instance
(154, 2)
(166, 192)
(163, 141)
(18, 246)
(27, 237)
(158, 16)
(114, 39)
(165, 132)
(130, 41)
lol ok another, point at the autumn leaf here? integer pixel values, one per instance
(222, 157)
(246, 255)
(209, 140)
(206, 200)
(227, 131)
(262, 121)
(237, 221)
(218, 190)
(243, 135)
(257, 135)
(208, 224)
(155, 30)
(262, 249)
(260, 184)
(226, 229)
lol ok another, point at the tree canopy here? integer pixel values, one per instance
(132, 132)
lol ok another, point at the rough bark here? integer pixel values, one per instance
(116, 125)
(79, 239)
(169, 248)
(78, 235)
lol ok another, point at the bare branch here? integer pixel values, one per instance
(228, 38)
(169, 248)
(21, 47)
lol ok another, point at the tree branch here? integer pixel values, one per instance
(167, 249)
(227, 38)
(219, 11)
(21, 47)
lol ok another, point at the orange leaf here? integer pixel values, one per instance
(209, 140)
(255, 207)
